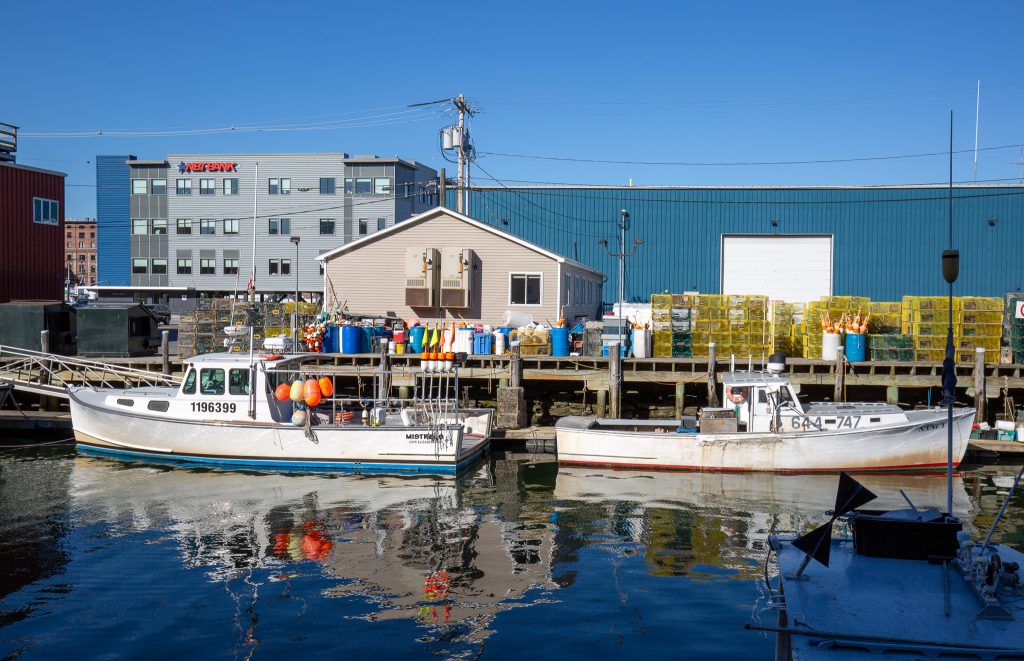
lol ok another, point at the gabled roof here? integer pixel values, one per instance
(442, 211)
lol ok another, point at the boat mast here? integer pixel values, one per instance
(252, 292)
(950, 270)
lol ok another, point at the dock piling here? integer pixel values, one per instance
(712, 379)
(516, 368)
(165, 350)
(840, 376)
(680, 399)
(601, 407)
(615, 380)
(979, 384)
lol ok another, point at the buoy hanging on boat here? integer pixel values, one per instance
(424, 359)
(295, 394)
(449, 361)
(326, 387)
(311, 392)
(283, 392)
(299, 418)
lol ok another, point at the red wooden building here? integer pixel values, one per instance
(31, 233)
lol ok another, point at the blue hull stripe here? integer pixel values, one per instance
(343, 466)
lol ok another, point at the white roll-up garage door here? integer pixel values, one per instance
(787, 268)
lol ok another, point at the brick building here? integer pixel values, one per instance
(80, 251)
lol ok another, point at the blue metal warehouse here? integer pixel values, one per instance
(886, 241)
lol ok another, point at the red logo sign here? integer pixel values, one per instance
(206, 167)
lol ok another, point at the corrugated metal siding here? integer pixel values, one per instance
(113, 196)
(31, 254)
(888, 241)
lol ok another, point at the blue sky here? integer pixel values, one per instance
(682, 81)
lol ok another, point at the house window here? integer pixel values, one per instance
(565, 289)
(231, 187)
(231, 226)
(363, 226)
(45, 212)
(183, 187)
(139, 187)
(381, 185)
(327, 186)
(278, 186)
(159, 226)
(327, 226)
(140, 265)
(159, 266)
(286, 266)
(279, 226)
(524, 288)
(207, 226)
(184, 226)
(274, 267)
(364, 186)
(208, 267)
(159, 187)
(230, 266)
(349, 186)
(140, 226)
(184, 266)
(286, 186)
(381, 223)
(207, 186)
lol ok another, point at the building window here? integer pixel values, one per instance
(139, 266)
(159, 187)
(159, 226)
(81, 235)
(286, 266)
(279, 186)
(207, 226)
(207, 186)
(92, 258)
(279, 226)
(184, 266)
(160, 266)
(349, 186)
(184, 226)
(364, 186)
(92, 245)
(140, 226)
(363, 226)
(45, 212)
(327, 186)
(139, 187)
(565, 289)
(231, 226)
(327, 226)
(68, 244)
(524, 288)
(286, 186)
(208, 267)
(231, 186)
(381, 223)
(274, 267)
(81, 245)
(81, 258)
(381, 185)
(92, 235)
(230, 267)
(184, 187)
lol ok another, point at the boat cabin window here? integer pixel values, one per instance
(211, 381)
(761, 397)
(189, 387)
(238, 382)
(158, 405)
(785, 397)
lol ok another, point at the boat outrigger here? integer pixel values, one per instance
(215, 417)
(764, 427)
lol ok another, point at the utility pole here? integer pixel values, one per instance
(456, 137)
(622, 255)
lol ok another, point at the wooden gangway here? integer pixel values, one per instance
(50, 374)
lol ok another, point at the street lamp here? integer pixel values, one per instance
(295, 314)
(622, 255)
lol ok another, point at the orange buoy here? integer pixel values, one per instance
(311, 392)
(326, 387)
(283, 392)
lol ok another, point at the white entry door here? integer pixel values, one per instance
(785, 268)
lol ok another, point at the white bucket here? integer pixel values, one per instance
(830, 345)
(499, 343)
(641, 343)
(515, 319)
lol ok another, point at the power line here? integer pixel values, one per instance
(579, 184)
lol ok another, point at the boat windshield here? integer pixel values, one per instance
(238, 382)
(189, 386)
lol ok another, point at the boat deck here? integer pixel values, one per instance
(891, 607)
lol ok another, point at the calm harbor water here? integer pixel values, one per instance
(519, 558)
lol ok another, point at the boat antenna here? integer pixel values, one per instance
(252, 291)
(950, 271)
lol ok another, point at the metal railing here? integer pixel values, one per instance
(51, 374)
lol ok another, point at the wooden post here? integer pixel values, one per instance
(979, 384)
(165, 350)
(840, 375)
(44, 346)
(892, 395)
(403, 392)
(615, 380)
(601, 407)
(712, 378)
(516, 367)
(680, 399)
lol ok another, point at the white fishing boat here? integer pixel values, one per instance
(215, 417)
(764, 427)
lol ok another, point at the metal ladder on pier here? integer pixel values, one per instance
(50, 374)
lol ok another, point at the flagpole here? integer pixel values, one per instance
(252, 293)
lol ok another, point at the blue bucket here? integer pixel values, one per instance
(416, 338)
(856, 343)
(559, 341)
(350, 339)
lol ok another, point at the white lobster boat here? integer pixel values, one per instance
(765, 428)
(215, 418)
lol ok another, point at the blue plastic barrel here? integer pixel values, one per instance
(855, 347)
(370, 340)
(351, 337)
(482, 343)
(507, 332)
(416, 338)
(559, 341)
(332, 339)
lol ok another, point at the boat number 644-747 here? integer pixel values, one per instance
(213, 407)
(842, 422)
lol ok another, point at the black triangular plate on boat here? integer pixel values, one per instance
(850, 495)
(817, 543)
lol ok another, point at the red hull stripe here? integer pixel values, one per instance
(716, 469)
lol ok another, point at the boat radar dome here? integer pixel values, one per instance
(777, 363)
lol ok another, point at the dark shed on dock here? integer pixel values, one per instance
(22, 323)
(116, 329)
